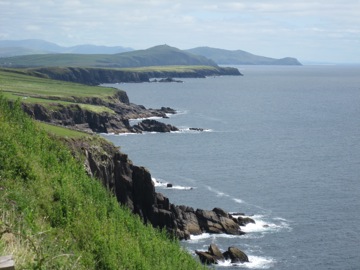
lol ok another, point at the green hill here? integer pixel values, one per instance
(54, 216)
(162, 55)
(239, 57)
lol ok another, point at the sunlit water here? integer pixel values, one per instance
(282, 145)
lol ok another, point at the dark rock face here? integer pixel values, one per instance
(236, 255)
(96, 76)
(153, 126)
(101, 122)
(133, 187)
(214, 255)
(168, 79)
(205, 257)
(243, 221)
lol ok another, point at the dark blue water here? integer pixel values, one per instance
(283, 145)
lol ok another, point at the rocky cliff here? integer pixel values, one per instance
(96, 76)
(133, 187)
(113, 119)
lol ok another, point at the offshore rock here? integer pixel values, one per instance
(214, 255)
(205, 257)
(236, 255)
(149, 125)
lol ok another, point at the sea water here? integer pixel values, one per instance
(281, 144)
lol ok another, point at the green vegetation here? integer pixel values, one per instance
(28, 85)
(53, 216)
(156, 56)
(239, 57)
(62, 131)
(16, 83)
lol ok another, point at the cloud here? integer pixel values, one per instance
(272, 27)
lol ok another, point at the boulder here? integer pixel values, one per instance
(169, 79)
(235, 255)
(196, 129)
(243, 221)
(205, 257)
(215, 252)
(214, 255)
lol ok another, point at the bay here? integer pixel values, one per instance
(282, 144)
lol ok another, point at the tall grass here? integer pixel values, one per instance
(53, 216)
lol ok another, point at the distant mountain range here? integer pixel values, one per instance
(36, 46)
(239, 57)
(35, 53)
(162, 55)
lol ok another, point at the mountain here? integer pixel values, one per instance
(239, 57)
(10, 48)
(162, 55)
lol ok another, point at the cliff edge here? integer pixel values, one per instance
(134, 188)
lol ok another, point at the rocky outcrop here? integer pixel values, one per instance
(133, 186)
(96, 76)
(235, 255)
(89, 76)
(150, 125)
(214, 255)
(78, 118)
(167, 80)
(113, 119)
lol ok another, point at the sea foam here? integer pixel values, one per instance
(164, 185)
(255, 262)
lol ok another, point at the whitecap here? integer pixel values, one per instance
(197, 238)
(255, 262)
(261, 225)
(118, 134)
(191, 130)
(135, 120)
(206, 236)
(181, 188)
(158, 183)
(161, 184)
(237, 200)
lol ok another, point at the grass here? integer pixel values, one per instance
(159, 55)
(43, 91)
(28, 85)
(62, 131)
(54, 216)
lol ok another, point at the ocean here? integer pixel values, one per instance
(281, 144)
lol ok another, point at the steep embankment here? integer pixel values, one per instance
(54, 216)
(88, 108)
(96, 76)
(134, 188)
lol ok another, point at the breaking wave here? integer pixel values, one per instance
(166, 185)
(255, 262)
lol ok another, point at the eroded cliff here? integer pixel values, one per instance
(134, 188)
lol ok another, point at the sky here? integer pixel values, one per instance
(317, 30)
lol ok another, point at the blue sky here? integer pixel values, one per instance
(323, 30)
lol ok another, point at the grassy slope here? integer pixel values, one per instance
(40, 90)
(155, 56)
(22, 83)
(53, 216)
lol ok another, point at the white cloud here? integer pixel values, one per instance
(271, 27)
